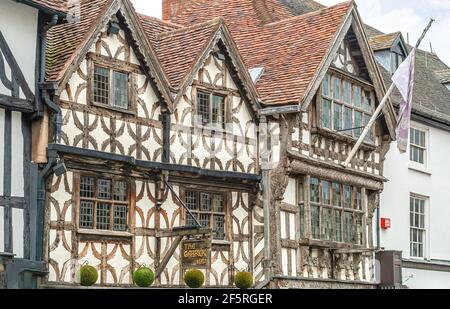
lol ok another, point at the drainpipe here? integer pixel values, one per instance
(41, 57)
(378, 222)
(42, 177)
(58, 117)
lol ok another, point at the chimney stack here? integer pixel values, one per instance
(170, 8)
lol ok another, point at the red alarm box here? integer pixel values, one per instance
(385, 223)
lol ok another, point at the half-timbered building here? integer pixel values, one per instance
(233, 116)
(21, 51)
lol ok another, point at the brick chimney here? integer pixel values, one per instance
(170, 7)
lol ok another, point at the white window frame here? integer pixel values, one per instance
(424, 168)
(426, 237)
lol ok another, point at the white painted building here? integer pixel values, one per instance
(20, 105)
(416, 199)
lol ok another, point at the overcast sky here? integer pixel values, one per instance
(408, 16)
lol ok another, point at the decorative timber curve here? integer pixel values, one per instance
(15, 84)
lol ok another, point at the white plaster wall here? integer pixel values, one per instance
(17, 181)
(18, 230)
(21, 36)
(425, 279)
(2, 147)
(2, 228)
(434, 184)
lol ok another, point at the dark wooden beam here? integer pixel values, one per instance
(168, 256)
(16, 104)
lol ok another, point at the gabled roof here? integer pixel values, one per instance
(68, 44)
(180, 49)
(63, 41)
(384, 41)
(183, 50)
(289, 48)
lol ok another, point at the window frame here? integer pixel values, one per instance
(415, 164)
(306, 203)
(211, 94)
(424, 230)
(96, 201)
(226, 210)
(112, 66)
(329, 95)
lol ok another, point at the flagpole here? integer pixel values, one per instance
(379, 108)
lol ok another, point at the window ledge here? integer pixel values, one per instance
(343, 138)
(104, 233)
(419, 168)
(114, 109)
(221, 243)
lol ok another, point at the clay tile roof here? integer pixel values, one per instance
(290, 50)
(179, 50)
(383, 41)
(154, 26)
(64, 40)
(443, 76)
(52, 5)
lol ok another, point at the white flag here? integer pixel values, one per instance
(404, 81)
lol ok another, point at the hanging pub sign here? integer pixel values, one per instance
(196, 253)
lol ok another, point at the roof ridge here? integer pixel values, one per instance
(161, 21)
(313, 13)
(214, 21)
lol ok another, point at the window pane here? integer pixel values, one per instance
(120, 218)
(369, 136)
(326, 86)
(348, 227)
(326, 193)
(87, 187)
(358, 199)
(337, 88)
(86, 215)
(203, 107)
(301, 194)
(315, 190)
(326, 223)
(358, 124)
(120, 191)
(357, 96)
(205, 220)
(103, 216)
(359, 229)
(205, 202)
(104, 189)
(219, 227)
(337, 116)
(315, 222)
(120, 90)
(302, 220)
(190, 221)
(326, 114)
(218, 111)
(337, 195)
(348, 120)
(218, 203)
(191, 200)
(367, 101)
(347, 196)
(337, 226)
(347, 92)
(101, 85)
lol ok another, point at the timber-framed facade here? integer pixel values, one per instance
(160, 116)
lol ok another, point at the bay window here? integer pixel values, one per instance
(346, 105)
(336, 211)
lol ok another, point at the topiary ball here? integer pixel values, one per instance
(194, 278)
(144, 277)
(243, 280)
(88, 275)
